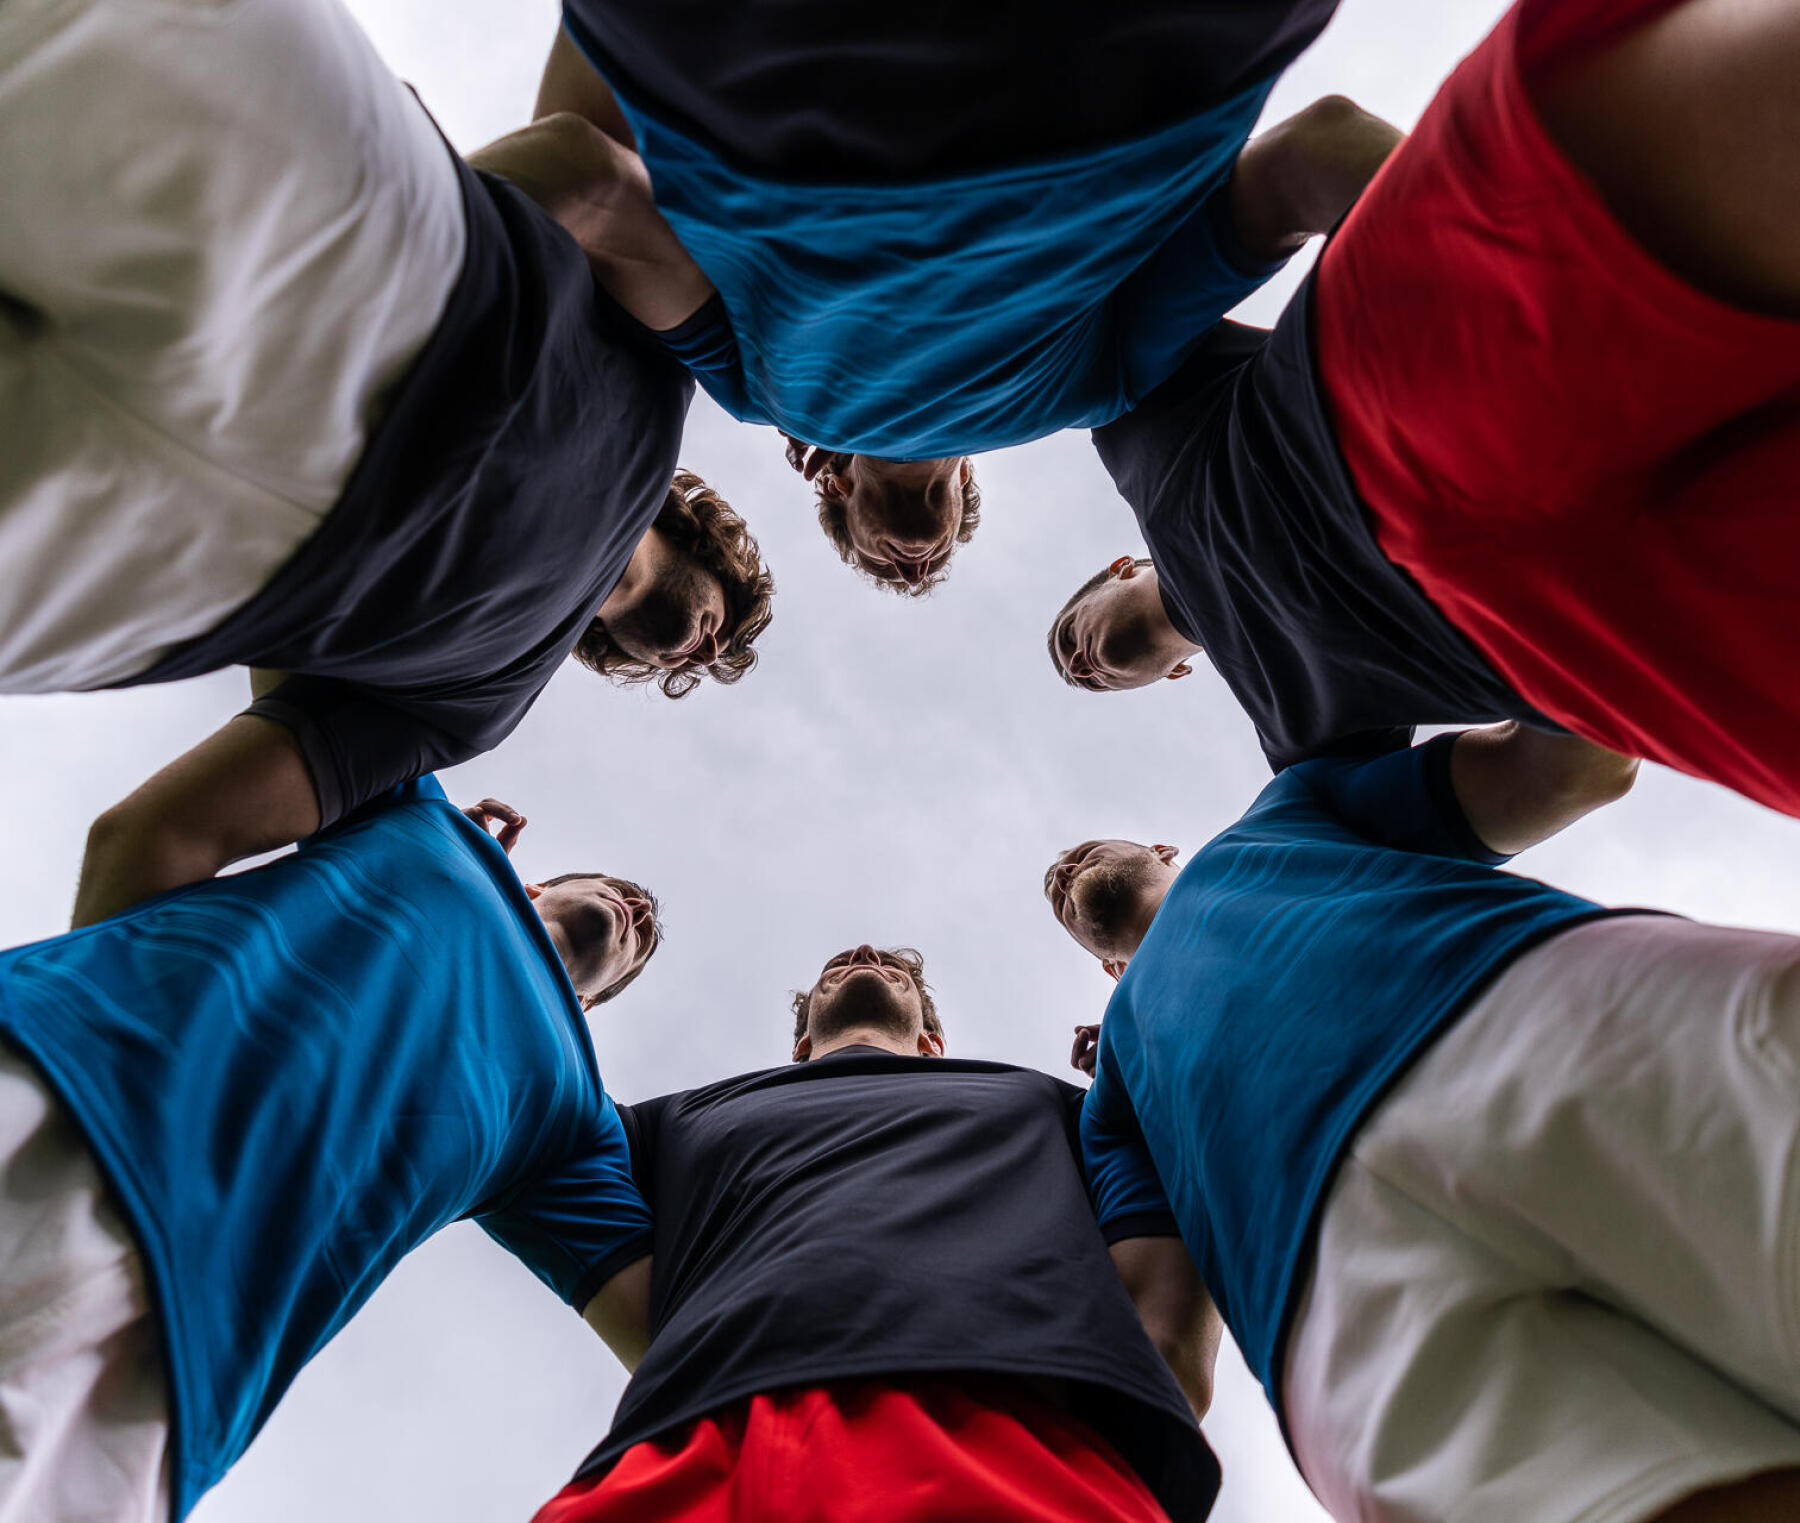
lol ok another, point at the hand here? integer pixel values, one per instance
(512, 823)
(809, 460)
(1086, 1051)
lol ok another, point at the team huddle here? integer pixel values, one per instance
(1494, 1187)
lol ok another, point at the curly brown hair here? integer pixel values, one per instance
(631, 891)
(833, 515)
(908, 959)
(699, 523)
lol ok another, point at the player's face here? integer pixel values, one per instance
(1111, 641)
(902, 517)
(677, 622)
(604, 929)
(865, 987)
(1096, 885)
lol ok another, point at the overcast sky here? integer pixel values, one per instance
(894, 771)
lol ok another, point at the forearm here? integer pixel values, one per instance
(244, 790)
(570, 83)
(599, 191)
(1519, 786)
(1176, 1310)
(620, 1313)
(1297, 180)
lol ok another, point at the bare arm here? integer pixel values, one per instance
(1519, 786)
(620, 1313)
(571, 83)
(599, 190)
(243, 790)
(1297, 180)
(1176, 1310)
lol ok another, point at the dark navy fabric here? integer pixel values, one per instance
(827, 91)
(1300, 963)
(293, 1076)
(515, 469)
(870, 1216)
(1266, 559)
(987, 298)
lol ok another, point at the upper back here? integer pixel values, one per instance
(515, 467)
(1267, 561)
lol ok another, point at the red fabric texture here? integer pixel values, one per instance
(933, 1452)
(1591, 467)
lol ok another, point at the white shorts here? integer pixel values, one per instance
(1556, 1278)
(84, 1414)
(225, 231)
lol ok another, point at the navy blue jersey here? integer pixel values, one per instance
(512, 474)
(945, 229)
(1267, 561)
(293, 1076)
(868, 1216)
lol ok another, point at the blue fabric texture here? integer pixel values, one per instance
(295, 1075)
(948, 316)
(1299, 964)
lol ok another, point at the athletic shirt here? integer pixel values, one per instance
(868, 1216)
(514, 470)
(293, 1076)
(942, 229)
(1299, 965)
(1266, 559)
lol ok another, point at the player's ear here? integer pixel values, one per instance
(803, 1048)
(1168, 854)
(533, 890)
(931, 1045)
(1112, 968)
(1123, 568)
(1180, 669)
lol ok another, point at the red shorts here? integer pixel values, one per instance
(1591, 467)
(864, 1453)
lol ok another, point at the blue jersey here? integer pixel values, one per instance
(1299, 964)
(293, 1076)
(910, 269)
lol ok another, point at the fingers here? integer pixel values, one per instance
(1086, 1051)
(808, 459)
(511, 822)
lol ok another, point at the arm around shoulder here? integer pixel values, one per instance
(243, 790)
(1297, 180)
(1519, 786)
(620, 1313)
(1177, 1312)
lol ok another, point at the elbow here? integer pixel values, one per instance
(1191, 1364)
(1605, 780)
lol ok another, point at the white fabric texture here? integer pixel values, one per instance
(1556, 1277)
(84, 1419)
(225, 231)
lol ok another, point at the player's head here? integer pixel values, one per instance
(692, 601)
(1115, 633)
(898, 522)
(1106, 893)
(869, 995)
(604, 928)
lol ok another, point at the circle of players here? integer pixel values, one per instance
(1494, 1187)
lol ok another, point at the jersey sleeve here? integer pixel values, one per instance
(1404, 799)
(359, 742)
(1122, 1181)
(579, 1224)
(1198, 274)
